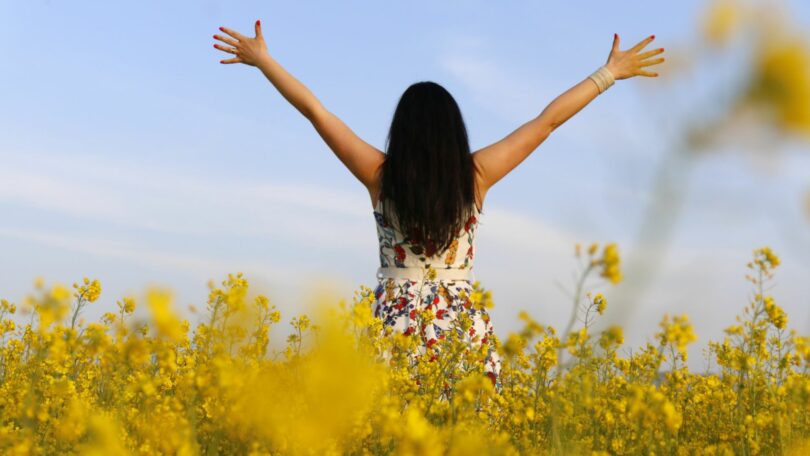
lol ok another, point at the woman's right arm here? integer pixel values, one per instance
(361, 158)
(498, 159)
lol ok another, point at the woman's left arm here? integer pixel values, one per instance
(360, 157)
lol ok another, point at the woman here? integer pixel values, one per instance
(427, 190)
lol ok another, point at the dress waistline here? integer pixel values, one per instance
(416, 274)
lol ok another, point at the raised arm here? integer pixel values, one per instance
(360, 157)
(498, 159)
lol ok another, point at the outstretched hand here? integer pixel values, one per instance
(629, 63)
(247, 50)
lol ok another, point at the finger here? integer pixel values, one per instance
(226, 49)
(647, 73)
(258, 28)
(615, 42)
(650, 62)
(642, 43)
(233, 33)
(226, 40)
(644, 55)
(233, 60)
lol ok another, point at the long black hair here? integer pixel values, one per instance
(428, 172)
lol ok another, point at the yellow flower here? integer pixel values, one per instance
(166, 322)
(600, 303)
(127, 305)
(610, 263)
(613, 335)
(89, 291)
(776, 315)
(431, 273)
(722, 19)
(781, 81)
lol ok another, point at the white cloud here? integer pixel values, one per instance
(150, 257)
(173, 202)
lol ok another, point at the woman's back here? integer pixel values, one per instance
(398, 250)
(404, 290)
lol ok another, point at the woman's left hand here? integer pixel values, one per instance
(246, 50)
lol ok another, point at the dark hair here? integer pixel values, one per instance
(428, 172)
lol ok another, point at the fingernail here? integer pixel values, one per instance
(215, 37)
(259, 23)
(652, 36)
(221, 28)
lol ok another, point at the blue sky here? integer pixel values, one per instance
(129, 154)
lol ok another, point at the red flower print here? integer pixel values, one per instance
(400, 252)
(440, 314)
(402, 303)
(412, 315)
(408, 331)
(492, 377)
(472, 331)
(431, 342)
(436, 299)
(484, 340)
(470, 252)
(469, 223)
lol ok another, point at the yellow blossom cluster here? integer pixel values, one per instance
(345, 384)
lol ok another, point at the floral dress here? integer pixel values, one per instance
(399, 299)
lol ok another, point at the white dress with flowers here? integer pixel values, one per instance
(398, 300)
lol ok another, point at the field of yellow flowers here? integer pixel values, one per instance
(341, 385)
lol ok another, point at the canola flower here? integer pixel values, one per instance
(343, 384)
(722, 20)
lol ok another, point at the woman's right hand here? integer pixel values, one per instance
(629, 63)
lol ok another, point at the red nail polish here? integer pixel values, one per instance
(652, 36)
(259, 23)
(221, 28)
(215, 37)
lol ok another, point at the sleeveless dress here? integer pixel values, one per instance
(398, 299)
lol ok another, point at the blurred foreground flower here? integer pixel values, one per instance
(723, 18)
(780, 84)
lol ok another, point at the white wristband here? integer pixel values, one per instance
(603, 78)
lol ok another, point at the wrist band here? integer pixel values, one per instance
(603, 78)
